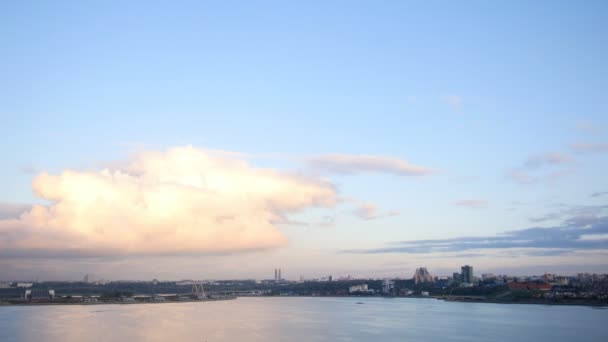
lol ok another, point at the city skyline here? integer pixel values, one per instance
(228, 139)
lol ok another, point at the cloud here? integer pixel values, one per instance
(542, 167)
(536, 241)
(588, 127)
(353, 164)
(575, 212)
(180, 201)
(12, 210)
(471, 203)
(590, 148)
(521, 177)
(537, 161)
(599, 193)
(29, 169)
(369, 211)
(455, 101)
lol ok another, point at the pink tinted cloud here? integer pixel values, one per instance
(183, 200)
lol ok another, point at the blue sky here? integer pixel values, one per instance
(494, 97)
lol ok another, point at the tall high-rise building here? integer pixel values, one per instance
(276, 275)
(422, 275)
(280, 275)
(388, 286)
(467, 274)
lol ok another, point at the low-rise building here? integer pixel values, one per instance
(529, 285)
(362, 288)
(38, 294)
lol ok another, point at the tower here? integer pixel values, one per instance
(467, 274)
(275, 275)
(279, 275)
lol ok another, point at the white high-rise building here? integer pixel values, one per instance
(388, 286)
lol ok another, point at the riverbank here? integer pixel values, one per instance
(47, 303)
(480, 299)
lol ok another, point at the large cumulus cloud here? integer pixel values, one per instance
(180, 201)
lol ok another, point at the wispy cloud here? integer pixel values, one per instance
(540, 160)
(369, 211)
(353, 164)
(558, 240)
(571, 212)
(542, 167)
(29, 169)
(590, 147)
(588, 127)
(471, 203)
(453, 100)
(599, 193)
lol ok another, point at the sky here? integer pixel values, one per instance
(217, 140)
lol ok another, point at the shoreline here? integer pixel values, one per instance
(462, 300)
(524, 302)
(115, 303)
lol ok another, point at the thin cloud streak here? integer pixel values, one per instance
(355, 164)
(542, 167)
(471, 203)
(369, 211)
(590, 148)
(551, 241)
(554, 158)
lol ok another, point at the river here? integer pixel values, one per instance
(304, 319)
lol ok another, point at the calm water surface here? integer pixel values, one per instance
(304, 319)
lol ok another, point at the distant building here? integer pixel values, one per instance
(25, 285)
(184, 282)
(39, 294)
(89, 278)
(488, 277)
(358, 288)
(422, 275)
(406, 292)
(467, 274)
(424, 293)
(277, 275)
(5, 285)
(388, 286)
(530, 285)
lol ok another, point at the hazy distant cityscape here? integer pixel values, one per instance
(465, 285)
